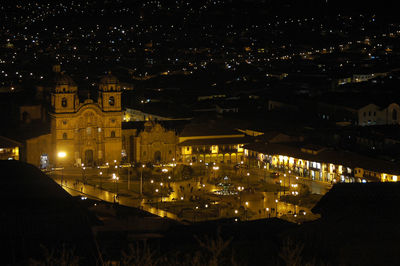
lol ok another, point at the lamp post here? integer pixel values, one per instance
(215, 168)
(165, 171)
(101, 179)
(83, 174)
(245, 209)
(276, 209)
(61, 155)
(129, 176)
(141, 181)
(115, 178)
(265, 172)
(269, 214)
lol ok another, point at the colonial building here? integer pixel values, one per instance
(149, 142)
(211, 142)
(320, 163)
(86, 132)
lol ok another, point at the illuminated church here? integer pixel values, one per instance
(92, 132)
(87, 132)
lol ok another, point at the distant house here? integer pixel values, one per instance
(363, 114)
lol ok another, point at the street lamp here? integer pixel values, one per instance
(215, 168)
(245, 209)
(101, 180)
(141, 180)
(276, 210)
(265, 172)
(62, 155)
(115, 178)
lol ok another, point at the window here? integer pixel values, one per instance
(188, 148)
(111, 101)
(64, 102)
(99, 129)
(394, 114)
(89, 130)
(369, 113)
(112, 120)
(64, 122)
(170, 152)
(65, 136)
(374, 113)
(113, 134)
(214, 149)
(365, 114)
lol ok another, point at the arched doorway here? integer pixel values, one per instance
(89, 157)
(157, 156)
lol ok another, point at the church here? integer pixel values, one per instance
(86, 132)
(92, 131)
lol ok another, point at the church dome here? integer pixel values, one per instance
(64, 83)
(109, 83)
(63, 79)
(109, 79)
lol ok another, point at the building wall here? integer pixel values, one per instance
(35, 147)
(321, 171)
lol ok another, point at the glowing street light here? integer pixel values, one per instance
(115, 178)
(62, 155)
(101, 180)
(141, 180)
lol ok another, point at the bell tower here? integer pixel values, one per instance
(64, 96)
(109, 94)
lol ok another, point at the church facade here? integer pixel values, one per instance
(86, 132)
(153, 143)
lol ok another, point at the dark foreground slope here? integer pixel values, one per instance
(38, 215)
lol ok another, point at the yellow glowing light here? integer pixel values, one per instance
(62, 154)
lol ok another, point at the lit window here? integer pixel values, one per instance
(214, 149)
(99, 129)
(65, 136)
(111, 100)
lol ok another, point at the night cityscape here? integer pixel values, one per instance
(208, 132)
